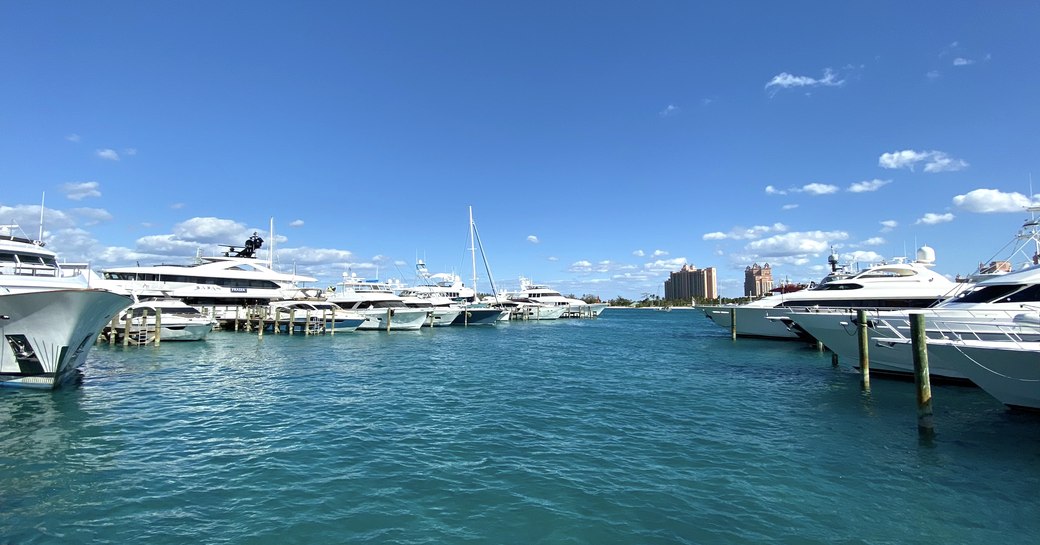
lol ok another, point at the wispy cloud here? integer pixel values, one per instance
(532, 239)
(934, 161)
(785, 80)
(985, 201)
(873, 241)
(109, 154)
(130, 152)
(659, 253)
(296, 223)
(932, 218)
(888, 225)
(961, 61)
(639, 253)
(82, 190)
(868, 185)
(740, 233)
(812, 189)
(789, 207)
(932, 74)
(72, 137)
(669, 111)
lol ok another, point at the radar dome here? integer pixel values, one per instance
(926, 255)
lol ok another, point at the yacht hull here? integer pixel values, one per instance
(392, 319)
(752, 321)
(1006, 370)
(478, 316)
(47, 334)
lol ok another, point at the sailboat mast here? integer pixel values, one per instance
(270, 247)
(472, 251)
(42, 199)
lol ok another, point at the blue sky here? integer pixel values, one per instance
(601, 144)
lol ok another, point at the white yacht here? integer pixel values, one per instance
(1007, 304)
(177, 321)
(311, 316)
(226, 283)
(377, 302)
(545, 295)
(49, 319)
(894, 285)
(450, 301)
(524, 308)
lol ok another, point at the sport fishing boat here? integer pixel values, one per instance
(176, 320)
(49, 316)
(377, 302)
(541, 293)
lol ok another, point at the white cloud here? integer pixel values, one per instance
(659, 253)
(669, 110)
(177, 205)
(932, 74)
(932, 218)
(812, 189)
(888, 225)
(784, 80)
(665, 265)
(740, 233)
(91, 216)
(874, 241)
(935, 161)
(130, 152)
(296, 223)
(81, 190)
(109, 154)
(986, 201)
(796, 243)
(868, 185)
(639, 253)
(212, 230)
(789, 207)
(818, 189)
(73, 137)
(532, 239)
(863, 257)
(552, 258)
(581, 266)
(961, 61)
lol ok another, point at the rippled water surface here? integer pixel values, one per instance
(637, 427)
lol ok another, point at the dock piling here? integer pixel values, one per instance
(733, 324)
(919, 344)
(864, 354)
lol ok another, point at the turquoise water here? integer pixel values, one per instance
(637, 427)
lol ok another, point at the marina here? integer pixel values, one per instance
(638, 426)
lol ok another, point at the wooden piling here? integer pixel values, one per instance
(112, 330)
(158, 326)
(864, 354)
(127, 320)
(919, 344)
(389, 314)
(733, 324)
